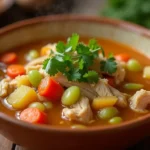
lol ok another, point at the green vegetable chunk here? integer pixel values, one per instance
(133, 86)
(37, 105)
(134, 65)
(32, 55)
(34, 77)
(107, 113)
(48, 105)
(78, 126)
(115, 120)
(71, 96)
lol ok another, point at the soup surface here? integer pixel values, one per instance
(135, 73)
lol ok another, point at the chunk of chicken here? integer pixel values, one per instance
(81, 111)
(122, 98)
(4, 85)
(86, 89)
(139, 101)
(7, 86)
(102, 88)
(119, 75)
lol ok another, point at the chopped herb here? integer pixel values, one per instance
(109, 65)
(74, 59)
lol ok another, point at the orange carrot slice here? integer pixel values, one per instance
(51, 89)
(122, 57)
(15, 70)
(33, 115)
(9, 58)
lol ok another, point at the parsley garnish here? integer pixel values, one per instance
(109, 65)
(74, 59)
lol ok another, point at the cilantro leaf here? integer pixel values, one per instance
(82, 49)
(108, 66)
(60, 47)
(75, 75)
(73, 41)
(54, 66)
(91, 76)
(93, 44)
(74, 59)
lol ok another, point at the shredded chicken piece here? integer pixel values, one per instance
(102, 88)
(122, 98)
(38, 61)
(139, 101)
(81, 111)
(7, 86)
(119, 75)
(36, 67)
(4, 85)
(86, 89)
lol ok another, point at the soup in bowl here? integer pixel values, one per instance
(79, 78)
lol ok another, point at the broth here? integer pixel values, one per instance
(54, 115)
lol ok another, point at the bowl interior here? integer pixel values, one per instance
(55, 26)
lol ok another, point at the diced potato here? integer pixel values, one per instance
(22, 97)
(22, 80)
(146, 72)
(101, 102)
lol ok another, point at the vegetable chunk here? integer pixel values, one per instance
(106, 101)
(51, 89)
(146, 72)
(22, 80)
(22, 97)
(33, 115)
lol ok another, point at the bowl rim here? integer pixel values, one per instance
(102, 20)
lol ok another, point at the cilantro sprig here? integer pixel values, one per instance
(74, 59)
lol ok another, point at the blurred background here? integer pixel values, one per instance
(137, 11)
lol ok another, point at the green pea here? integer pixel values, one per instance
(35, 77)
(115, 120)
(134, 65)
(48, 105)
(78, 126)
(38, 105)
(133, 86)
(108, 112)
(71, 96)
(32, 55)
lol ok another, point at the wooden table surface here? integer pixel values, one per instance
(80, 7)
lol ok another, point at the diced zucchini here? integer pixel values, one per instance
(101, 102)
(22, 97)
(146, 72)
(22, 80)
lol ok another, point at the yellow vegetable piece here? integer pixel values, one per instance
(22, 80)
(22, 97)
(45, 50)
(106, 101)
(146, 72)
